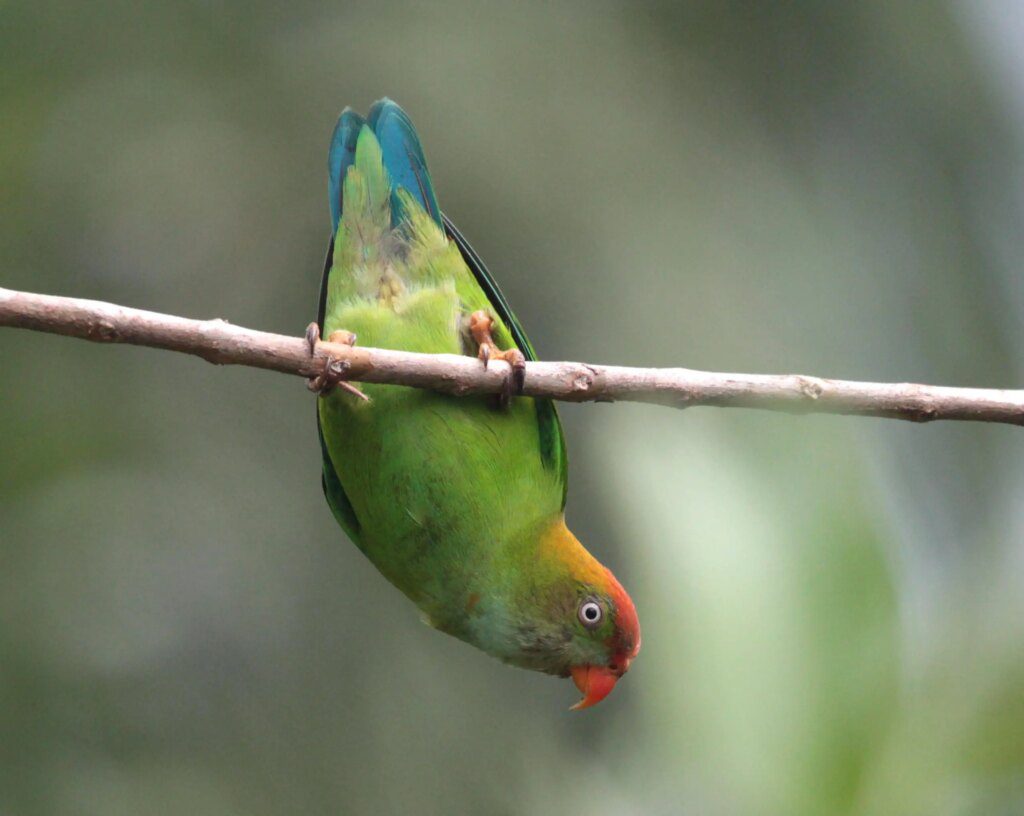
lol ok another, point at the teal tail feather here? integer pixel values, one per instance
(340, 157)
(401, 152)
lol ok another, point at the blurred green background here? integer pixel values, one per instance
(833, 608)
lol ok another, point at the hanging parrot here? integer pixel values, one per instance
(458, 501)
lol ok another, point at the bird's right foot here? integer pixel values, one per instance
(334, 371)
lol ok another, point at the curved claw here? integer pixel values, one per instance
(312, 337)
(517, 360)
(516, 379)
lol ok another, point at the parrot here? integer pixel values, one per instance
(457, 500)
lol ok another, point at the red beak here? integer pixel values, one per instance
(594, 682)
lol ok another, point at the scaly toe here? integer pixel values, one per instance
(345, 338)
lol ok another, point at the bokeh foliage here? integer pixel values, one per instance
(832, 607)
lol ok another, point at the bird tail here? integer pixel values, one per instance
(389, 133)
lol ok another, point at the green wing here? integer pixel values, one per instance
(339, 503)
(552, 441)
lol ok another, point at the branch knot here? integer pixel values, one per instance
(103, 330)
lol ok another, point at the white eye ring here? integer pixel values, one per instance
(590, 614)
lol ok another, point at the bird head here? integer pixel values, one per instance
(611, 632)
(597, 625)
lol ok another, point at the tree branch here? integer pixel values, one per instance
(219, 342)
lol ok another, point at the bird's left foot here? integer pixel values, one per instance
(333, 375)
(480, 326)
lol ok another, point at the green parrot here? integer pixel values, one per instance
(458, 501)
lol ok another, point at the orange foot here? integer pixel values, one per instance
(334, 370)
(480, 325)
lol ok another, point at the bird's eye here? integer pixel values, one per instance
(590, 613)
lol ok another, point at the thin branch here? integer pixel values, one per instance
(219, 342)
